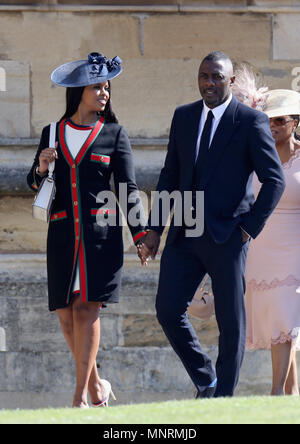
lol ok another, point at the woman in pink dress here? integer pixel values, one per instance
(273, 263)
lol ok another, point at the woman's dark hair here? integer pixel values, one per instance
(73, 98)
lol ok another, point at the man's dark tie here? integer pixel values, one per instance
(203, 150)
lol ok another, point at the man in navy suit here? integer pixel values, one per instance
(215, 146)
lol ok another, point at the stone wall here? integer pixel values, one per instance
(161, 49)
(161, 44)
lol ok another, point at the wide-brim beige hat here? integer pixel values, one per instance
(282, 102)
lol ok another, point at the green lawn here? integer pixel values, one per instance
(250, 410)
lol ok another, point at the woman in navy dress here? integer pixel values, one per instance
(84, 243)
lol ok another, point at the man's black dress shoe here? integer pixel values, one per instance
(208, 392)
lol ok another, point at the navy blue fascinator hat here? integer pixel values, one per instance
(96, 69)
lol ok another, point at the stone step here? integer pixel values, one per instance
(134, 372)
(137, 374)
(16, 157)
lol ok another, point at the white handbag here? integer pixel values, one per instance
(202, 305)
(41, 207)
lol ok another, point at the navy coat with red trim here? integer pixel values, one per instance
(74, 232)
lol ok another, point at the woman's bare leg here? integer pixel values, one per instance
(66, 317)
(281, 362)
(291, 385)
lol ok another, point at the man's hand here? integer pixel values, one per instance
(143, 253)
(148, 246)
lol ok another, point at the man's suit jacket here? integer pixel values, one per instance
(241, 145)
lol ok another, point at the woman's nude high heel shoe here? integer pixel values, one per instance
(107, 392)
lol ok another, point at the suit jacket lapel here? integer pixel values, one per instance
(194, 120)
(190, 142)
(222, 136)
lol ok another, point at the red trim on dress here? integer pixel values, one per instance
(78, 248)
(89, 140)
(79, 127)
(139, 235)
(102, 211)
(57, 216)
(100, 158)
(82, 272)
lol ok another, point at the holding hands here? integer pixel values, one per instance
(148, 246)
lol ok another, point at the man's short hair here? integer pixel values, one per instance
(216, 56)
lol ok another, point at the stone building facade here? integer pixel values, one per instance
(161, 44)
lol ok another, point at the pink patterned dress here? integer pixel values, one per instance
(273, 270)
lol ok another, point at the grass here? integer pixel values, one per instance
(250, 410)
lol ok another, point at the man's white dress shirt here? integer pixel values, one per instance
(218, 113)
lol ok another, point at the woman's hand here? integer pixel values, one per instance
(47, 155)
(148, 246)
